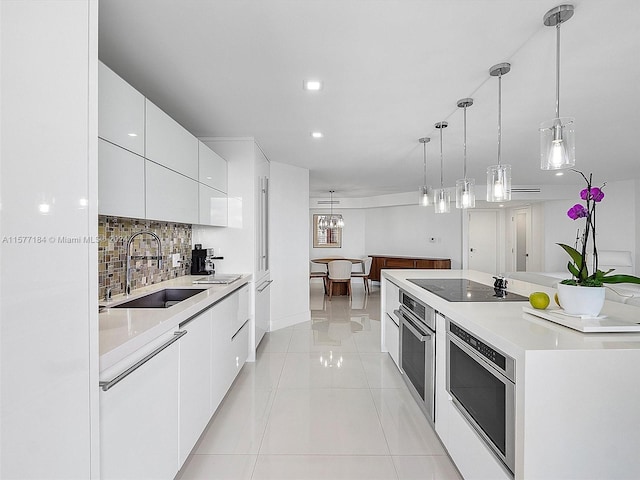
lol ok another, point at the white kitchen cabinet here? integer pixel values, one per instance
(212, 168)
(392, 297)
(120, 182)
(169, 143)
(392, 337)
(196, 350)
(169, 195)
(120, 111)
(230, 339)
(263, 308)
(212, 206)
(139, 419)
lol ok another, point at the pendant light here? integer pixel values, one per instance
(499, 176)
(334, 220)
(557, 136)
(441, 196)
(465, 187)
(425, 191)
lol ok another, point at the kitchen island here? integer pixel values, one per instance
(576, 394)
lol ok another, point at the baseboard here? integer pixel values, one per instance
(283, 322)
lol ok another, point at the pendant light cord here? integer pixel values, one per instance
(558, 69)
(424, 155)
(464, 163)
(441, 160)
(499, 116)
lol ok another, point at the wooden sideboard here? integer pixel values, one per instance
(380, 262)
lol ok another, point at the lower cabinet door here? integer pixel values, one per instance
(392, 339)
(195, 382)
(240, 348)
(139, 421)
(222, 373)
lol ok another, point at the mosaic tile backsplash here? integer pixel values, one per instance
(114, 233)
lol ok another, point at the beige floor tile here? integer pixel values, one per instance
(324, 421)
(322, 337)
(405, 426)
(276, 341)
(436, 467)
(239, 423)
(324, 467)
(381, 371)
(323, 370)
(218, 467)
(263, 373)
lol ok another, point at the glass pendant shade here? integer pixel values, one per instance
(557, 136)
(558, 144)
(499, 183)
(425, 193)
(441, 200)
(465, 193)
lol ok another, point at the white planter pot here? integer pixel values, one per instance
(577, 300)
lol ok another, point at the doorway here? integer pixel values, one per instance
(483, 241)
(521, 221)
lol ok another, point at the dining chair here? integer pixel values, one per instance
(317, 270)
(339, 272)
(366, 270)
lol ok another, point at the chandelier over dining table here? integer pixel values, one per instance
(331, 221)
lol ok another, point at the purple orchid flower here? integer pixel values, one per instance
(596, 194)
(577, 211)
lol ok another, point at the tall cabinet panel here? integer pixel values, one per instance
(48, 189)
(120, 111)
(169, 143)
(245, 244)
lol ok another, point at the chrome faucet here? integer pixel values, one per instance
(127, 288)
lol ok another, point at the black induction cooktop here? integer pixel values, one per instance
(462, 290)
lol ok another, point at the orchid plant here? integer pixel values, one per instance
(578, 264)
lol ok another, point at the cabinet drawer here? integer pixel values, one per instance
(399, 263)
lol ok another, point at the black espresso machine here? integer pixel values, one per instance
(202, 260)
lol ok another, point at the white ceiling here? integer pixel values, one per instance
(391, 69)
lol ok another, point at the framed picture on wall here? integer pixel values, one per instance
(326, 237)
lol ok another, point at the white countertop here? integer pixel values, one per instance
(124, 330)
(506, 326)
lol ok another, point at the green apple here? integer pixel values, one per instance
(539, 300)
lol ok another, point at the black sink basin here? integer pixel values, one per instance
(162, 299)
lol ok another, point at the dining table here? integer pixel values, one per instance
(341, 287)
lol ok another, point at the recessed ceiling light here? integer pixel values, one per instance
(133, 134)
(313, 85)
(559, 174)
(501, 205)
(317, 134)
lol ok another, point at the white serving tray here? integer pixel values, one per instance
(601, 324)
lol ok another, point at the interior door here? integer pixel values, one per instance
(483, 241)
(521, 241)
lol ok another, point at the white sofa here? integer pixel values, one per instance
(620, 261)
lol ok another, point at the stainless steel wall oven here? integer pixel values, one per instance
(417, 350)
(481, 381)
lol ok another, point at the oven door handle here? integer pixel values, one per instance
(407, 323)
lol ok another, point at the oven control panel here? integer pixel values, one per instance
(479, 346)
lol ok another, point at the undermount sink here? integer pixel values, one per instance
(161, 299)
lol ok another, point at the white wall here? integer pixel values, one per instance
(289, 240)
(616, 226)
(48, 288)
(406, 230)
(637, 221)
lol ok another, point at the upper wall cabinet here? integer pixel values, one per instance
(170, 196)
(213, 168)
(121, 181)
(120, 111)
(169, 143)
